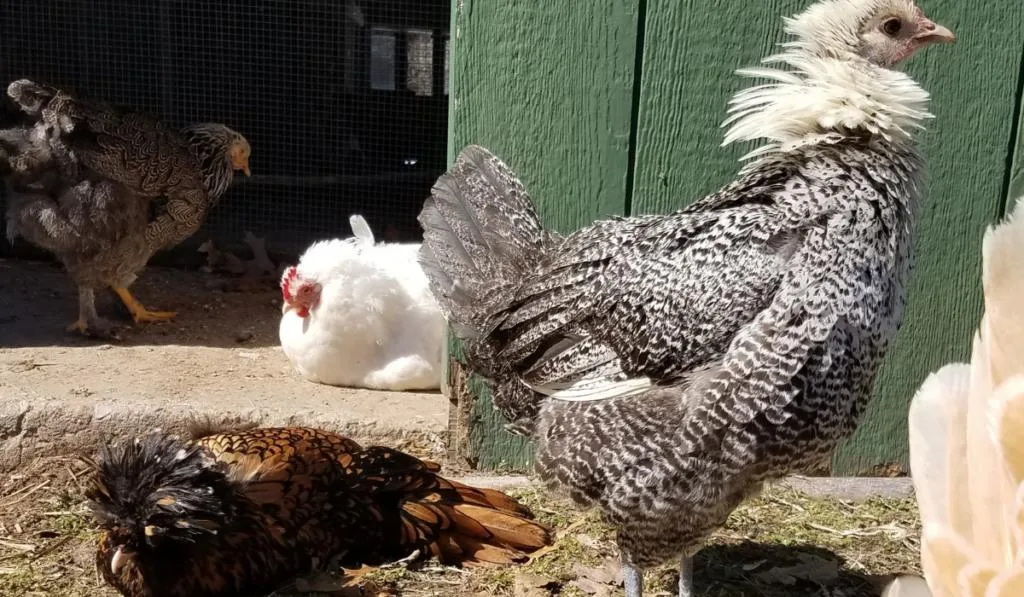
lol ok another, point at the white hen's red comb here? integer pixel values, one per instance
(286, 281)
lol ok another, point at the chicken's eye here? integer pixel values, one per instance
(892, 27)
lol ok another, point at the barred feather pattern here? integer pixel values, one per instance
(104, 188)
(140, 153)
(761, 313)
(668, 365)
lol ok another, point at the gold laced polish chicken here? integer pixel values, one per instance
(243, 513)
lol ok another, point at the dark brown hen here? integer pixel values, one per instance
(243, 513)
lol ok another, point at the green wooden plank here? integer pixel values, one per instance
(548, 86)
(691, 49)
(1015, 168)
(690, 52)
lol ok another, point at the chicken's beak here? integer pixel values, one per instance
(118, 561)
(930, 32)
(240, 161)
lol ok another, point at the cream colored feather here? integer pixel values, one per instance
(967, 444)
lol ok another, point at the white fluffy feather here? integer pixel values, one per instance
(377, 326)
(822, 86)
(966, 447)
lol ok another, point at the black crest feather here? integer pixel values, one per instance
(160, 488)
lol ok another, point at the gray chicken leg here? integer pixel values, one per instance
(89, 323)
(633, 580)
(686, 576)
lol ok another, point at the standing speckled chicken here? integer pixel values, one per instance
(81, 180)
(667, 365)
(243, 513)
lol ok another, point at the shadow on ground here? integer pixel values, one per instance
(38, 300)
(753, 569)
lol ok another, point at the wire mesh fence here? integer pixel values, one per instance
(343, 101)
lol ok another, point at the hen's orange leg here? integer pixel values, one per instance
(139, 312)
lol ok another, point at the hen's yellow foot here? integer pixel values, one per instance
(79, 327)
(145, 316)
(139, 312)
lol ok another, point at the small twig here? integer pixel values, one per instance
(888, 529)
(403, 562)
(445, 569)
(22, 494)
(51, 547)
(18, 546)
(779, 500)
(74, 477)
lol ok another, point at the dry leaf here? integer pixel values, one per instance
(598, 581)
(591, 587)
(610, 573)
(534, 585)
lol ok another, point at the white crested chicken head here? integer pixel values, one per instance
(884, 32)
(837, 74)
(967, 444)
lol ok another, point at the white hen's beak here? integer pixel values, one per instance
(118, 561)
(930, 32)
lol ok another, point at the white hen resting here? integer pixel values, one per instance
(667, 365)
(360, 314)
(967, 444)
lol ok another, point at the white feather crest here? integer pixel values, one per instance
(816, 96)
(822, 86)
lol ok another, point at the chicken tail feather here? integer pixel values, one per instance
(473, 527)
(480, 234)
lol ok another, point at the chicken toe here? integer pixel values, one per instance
(99, 328)
(139, 312)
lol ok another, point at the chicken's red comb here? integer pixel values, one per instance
(286, 281)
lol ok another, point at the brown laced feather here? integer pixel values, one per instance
(308, 495)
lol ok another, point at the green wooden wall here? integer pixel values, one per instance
(614, 107)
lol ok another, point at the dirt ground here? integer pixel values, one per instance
(782, 544)
(221, 354)
(39, 300)
(219, 358)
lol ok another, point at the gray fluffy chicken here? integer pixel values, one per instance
(668, 365)
(104, 188)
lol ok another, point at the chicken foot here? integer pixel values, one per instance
(89, 323)
(633, 578)
(139, 312)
